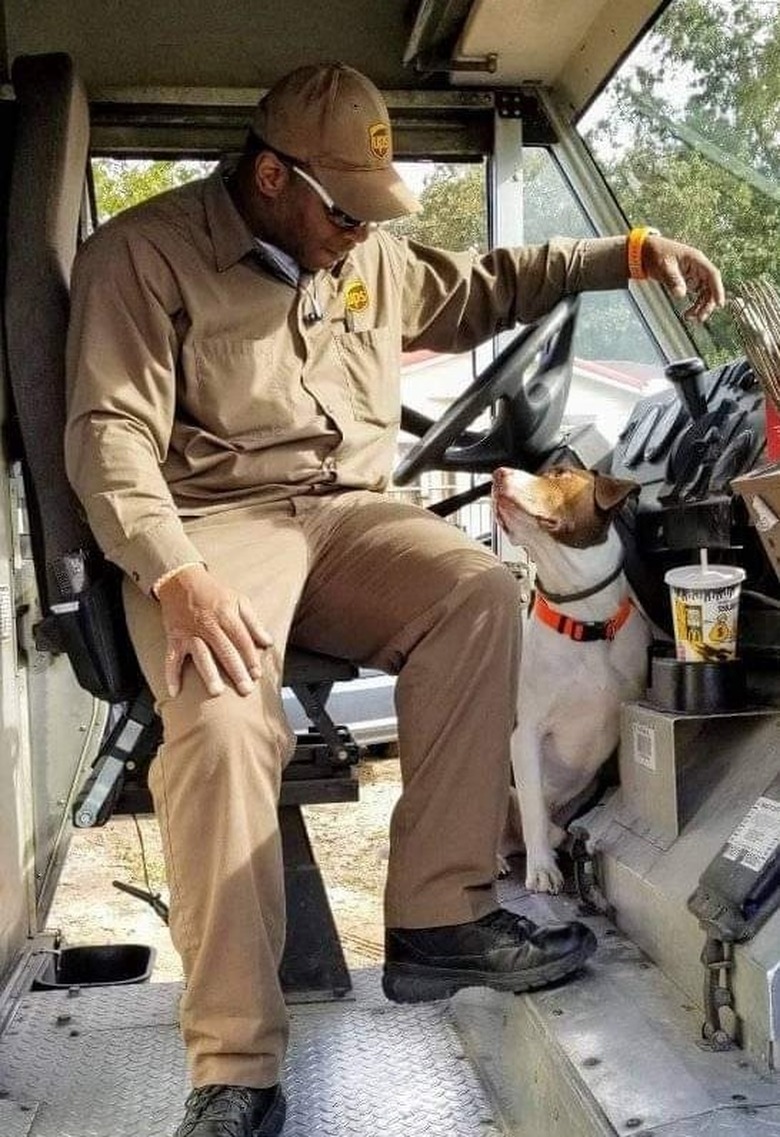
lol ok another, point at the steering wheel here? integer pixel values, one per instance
(529, 379)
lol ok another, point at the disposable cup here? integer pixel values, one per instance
(705, 611)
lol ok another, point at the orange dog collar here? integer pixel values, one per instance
(583, 631)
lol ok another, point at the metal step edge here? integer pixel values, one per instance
(615, 1050)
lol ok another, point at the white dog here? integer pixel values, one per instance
(584, 648)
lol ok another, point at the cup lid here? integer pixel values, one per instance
(714, 576)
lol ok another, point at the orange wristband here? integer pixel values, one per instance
(636, 240)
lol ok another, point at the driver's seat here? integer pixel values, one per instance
(78, 590)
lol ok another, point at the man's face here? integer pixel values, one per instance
(306, 230)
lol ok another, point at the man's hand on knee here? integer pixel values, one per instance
(215, 626)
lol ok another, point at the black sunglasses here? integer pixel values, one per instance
(338, 216)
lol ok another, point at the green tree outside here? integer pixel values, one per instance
(120, 183)
(688, 136)
(453, 214)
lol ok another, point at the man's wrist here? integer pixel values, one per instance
(171, 574)
(636, 242)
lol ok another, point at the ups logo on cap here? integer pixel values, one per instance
(379, 139)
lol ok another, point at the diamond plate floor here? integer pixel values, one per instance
(109, 1063)
(16, 1118)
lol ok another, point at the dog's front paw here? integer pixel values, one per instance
(543, 874)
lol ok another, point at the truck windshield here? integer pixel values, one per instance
(686, 134)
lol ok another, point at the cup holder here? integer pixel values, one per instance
(695, 688)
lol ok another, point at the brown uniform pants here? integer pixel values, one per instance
(385, 584)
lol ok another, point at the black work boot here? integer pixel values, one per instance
(233, 1111)
(502, 950)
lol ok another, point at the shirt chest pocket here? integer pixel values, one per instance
(369, 361)
(242, 390)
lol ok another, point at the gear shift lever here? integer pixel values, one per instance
(684, 373)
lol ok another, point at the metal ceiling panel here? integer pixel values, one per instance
(200, 43)
(571, 46)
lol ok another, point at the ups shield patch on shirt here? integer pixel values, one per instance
(356, 296)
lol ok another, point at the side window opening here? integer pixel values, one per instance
(119, 183)
(617, 360)
(454, 216)
(686, 134)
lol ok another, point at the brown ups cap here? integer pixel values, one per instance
(334, 121)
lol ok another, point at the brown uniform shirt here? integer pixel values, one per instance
(198, 381)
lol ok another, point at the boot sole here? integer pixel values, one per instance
(416, 983)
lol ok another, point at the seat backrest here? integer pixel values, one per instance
(45, 197)
(79, 592)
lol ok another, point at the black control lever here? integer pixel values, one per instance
(153, 899)
(685, 374)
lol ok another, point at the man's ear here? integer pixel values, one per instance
(271, 175)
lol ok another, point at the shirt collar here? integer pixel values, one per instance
(230, 234)
(232, 239)
(278, 262)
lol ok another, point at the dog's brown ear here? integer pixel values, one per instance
(611, 492)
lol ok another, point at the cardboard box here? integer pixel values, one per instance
(760, 490)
